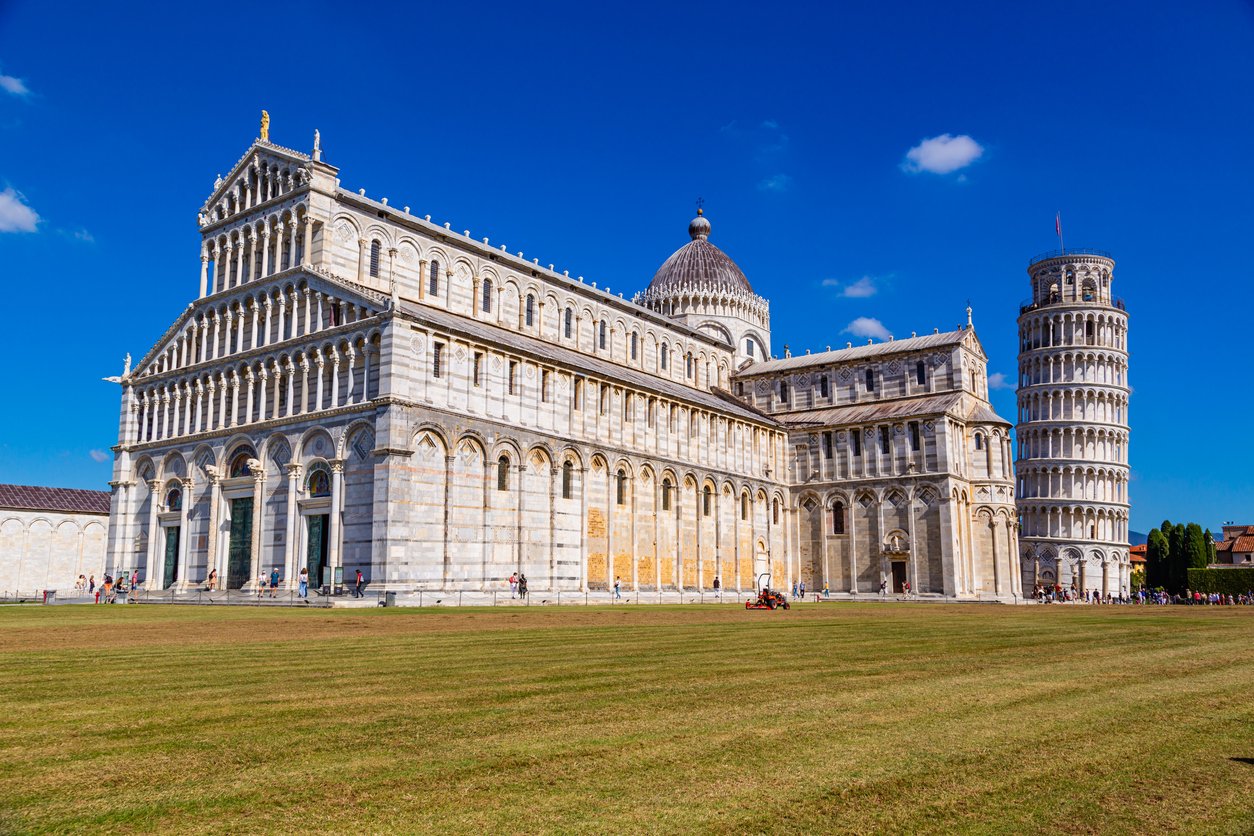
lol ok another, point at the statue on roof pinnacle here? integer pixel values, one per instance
(265, 126)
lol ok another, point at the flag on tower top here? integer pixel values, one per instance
(1058, 224)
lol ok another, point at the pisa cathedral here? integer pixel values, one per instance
(358, 388)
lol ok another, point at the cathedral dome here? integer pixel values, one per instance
(698, 264)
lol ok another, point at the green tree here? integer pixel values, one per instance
(1178, 565)
(1157, 552)
(1195, 551)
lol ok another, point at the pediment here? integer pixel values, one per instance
(262, 157)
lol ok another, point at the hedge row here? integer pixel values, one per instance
(1225, 581)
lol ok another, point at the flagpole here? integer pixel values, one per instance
(1058, 228)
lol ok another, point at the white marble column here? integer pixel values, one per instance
(184, 534)
(337, 499)
(291, 562)
(154, 532)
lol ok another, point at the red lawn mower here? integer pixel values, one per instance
(768, 599)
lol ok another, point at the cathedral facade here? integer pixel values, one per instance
(358, 388)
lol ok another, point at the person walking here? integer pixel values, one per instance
(522, 585)
(617, 591)
(883, 588)
(827, 592)
(358, 585)
(513, 586)
(802, 590)
(302, 584)
(91, 584)
(274, 582)
(717, 593)
(794, 589)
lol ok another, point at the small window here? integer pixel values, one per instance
(487, 296)
(869, 380)
(783, 392)
(513, 375)
(434, 283)
(544, 385)
(666, 494)
(665, 356)
(635, 344)
(979, 441)
(824, 391)
(374, 259)
(705, 501)
(318, 484)
(775, 512)
(749, 346)
(621, 488)
(601, 335)
(437, 355)
(174, 500)
(914, 435)
(744, 506)
(568, 472)
(920, 373)
(884, 435)
(827, 444)
(855, 439)
(530, 317)
(605, 398)
(649, 418)
(478, 368)
(567, 324)
(578, 393)
(838, 518)
(502, 473)
(688, 365)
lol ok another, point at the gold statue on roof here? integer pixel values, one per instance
(265, 126)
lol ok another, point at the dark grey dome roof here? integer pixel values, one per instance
(698, 263)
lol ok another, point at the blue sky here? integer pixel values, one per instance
(582, 134)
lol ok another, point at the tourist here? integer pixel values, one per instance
(358, 585)
(274, 582)
(617, 592)
(522, 585)
(883, 588)
(513, 586)
(802, 589)
(91, 585)
(717, 594)
(302, 583)
(212, 581)
(827, 593)
(905, 588)
(794, 589)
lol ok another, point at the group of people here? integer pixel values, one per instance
(109, 587)
(1218, 599)
(1058, 594)
(518, 585)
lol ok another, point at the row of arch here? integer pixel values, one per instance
(1093, 444)
(1073, 328)
(254, 320)
(1045, 518)
(265, 388)
(262, 180)
(256, 249)
(1092, 367)
(1100, 484)
(1096, 406)
(700, 299)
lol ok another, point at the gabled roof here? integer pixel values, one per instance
(1240, 544)
(858, 352)
(71, 500)
(259, 146)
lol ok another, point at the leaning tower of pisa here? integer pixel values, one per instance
(1072, 431)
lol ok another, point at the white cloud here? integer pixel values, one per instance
(859, 289)
(16, 86)
(99, 456)
(997, 380)
(770, 124)
(942, 154)
(15, 215)
(865, 326)
(83, 235)
(775, 183)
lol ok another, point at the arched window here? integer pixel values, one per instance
(823, 387)
(775, 511)
(487, 296)
(318, 483)
(920, 373)
(601, 336)
(979, 441)
(502, 473)
(570, 315)
(869, 380)
(783, 391)
(239, 463)
(744, 506)
(568, 473)
(749, 346)
(838, 518)
(529, 317)
(666, 494)
(688, 365)
(665, 356)
(433, 286)
(374, 258)
(705, 501)
(174, 500)
(635, 342)
(621, 488)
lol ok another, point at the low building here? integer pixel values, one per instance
(50, 536)
(1137, 560)
(1237, 546)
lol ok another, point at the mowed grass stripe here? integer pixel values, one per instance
(664, 719)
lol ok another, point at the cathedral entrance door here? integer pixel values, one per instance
(899, 576)
(170, 575)
(316, 556)
(239, 557)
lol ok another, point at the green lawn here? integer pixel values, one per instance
(850, 717)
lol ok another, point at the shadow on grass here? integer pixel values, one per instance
(1246, 761)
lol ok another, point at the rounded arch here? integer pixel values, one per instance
(316, 442)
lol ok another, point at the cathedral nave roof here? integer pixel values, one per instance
(858, 352)
(866, 413)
